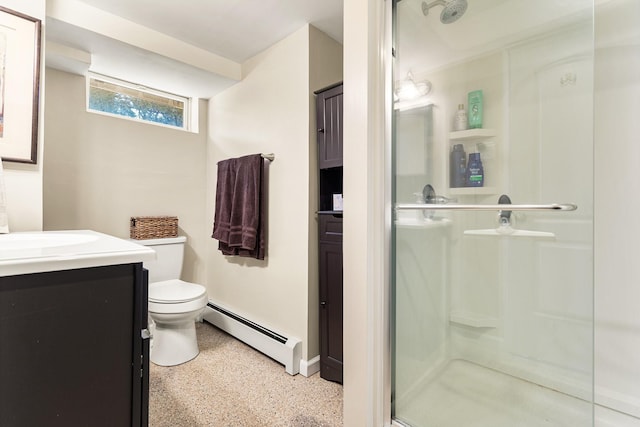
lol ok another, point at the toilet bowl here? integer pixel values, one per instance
(174, 305)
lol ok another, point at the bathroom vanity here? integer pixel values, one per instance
(73, 318)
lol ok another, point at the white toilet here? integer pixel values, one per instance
(174, 305)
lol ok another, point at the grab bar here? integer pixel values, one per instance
(500, 207)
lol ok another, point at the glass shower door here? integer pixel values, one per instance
(493, 223)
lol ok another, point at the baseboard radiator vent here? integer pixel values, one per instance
(286, 350)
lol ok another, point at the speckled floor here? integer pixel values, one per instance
(230, 384)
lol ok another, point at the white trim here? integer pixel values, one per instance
(365, 302)
(384, 223)
(136, 86)
(187, 111)
(133, 119)
(310, 367)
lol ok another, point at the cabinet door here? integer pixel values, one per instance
(71, 348)
(329, 124)
(331, 310)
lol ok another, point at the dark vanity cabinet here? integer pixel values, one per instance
(329, 137)
(73, 348)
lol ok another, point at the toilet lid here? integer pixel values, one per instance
(175, 291)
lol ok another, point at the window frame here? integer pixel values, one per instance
(187, 102)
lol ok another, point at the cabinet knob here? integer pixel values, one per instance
(321, 130)
(323, 303)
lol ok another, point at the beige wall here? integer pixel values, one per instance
(100, 170)
(23, 182)
(269, 111)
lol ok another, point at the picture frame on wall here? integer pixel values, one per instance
(20, 43)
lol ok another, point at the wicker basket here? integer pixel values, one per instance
(153, 227)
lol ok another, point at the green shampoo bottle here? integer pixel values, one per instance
(475, 109)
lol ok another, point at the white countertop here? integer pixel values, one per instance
(40, 251)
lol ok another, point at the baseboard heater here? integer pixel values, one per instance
(285, 350)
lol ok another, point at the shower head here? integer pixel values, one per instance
(452, 11)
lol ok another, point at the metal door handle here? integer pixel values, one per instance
(499, 207)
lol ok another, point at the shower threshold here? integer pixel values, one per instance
(468, 395)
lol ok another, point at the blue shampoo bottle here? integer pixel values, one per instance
(475, 171)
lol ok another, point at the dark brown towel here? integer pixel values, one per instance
(224, 200)
(240, 209)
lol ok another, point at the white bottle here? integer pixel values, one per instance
(460, 119)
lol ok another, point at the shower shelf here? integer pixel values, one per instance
(475, 320)
(474, 136)
(471, 134)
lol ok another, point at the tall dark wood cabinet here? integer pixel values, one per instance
(329, 136)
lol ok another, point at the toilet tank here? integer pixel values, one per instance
(169, 257)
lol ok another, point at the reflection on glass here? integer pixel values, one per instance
(493, 329)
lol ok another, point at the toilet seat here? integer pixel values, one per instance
(176, 296)
(175, 291)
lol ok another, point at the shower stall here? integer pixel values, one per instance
(492, 280)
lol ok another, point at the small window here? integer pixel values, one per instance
(123, 99)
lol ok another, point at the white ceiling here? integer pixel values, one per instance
(232, 29)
